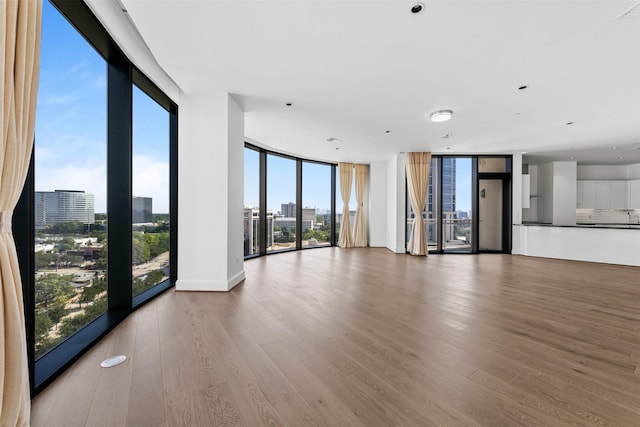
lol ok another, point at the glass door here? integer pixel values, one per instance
(456, 190)
(490, 209)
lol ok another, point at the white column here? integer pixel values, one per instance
(377, 204)
(396, 204)
(210, 192)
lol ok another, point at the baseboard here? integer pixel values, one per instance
(210, 285)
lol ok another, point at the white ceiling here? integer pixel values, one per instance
(355, 69)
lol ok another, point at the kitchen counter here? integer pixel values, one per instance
(605, 243)
(587, 225)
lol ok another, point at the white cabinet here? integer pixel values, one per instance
(579, 191)
(634, 194)
(618, 195)
(589, 194)
(603, 195)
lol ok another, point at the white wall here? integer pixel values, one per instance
(564, 193)
(633, 171)
(545, 192)
(396, 202)
(602, 172)
(210, 161)
(377, 204)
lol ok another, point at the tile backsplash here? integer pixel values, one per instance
(608, 216)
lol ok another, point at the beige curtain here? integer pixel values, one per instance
(418, 165)
(345, 239)
(20, 27)
(360, 225)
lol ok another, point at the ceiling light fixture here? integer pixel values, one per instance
(441, 116)
(417, 8)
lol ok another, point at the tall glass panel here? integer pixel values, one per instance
(456, 204)
(281, 203)
(316, 204)
(70, 184)
(150, 185)
(252, 202)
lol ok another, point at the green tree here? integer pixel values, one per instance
(53, 286)
(44, 260)
(140, 250)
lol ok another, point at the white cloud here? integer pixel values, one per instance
(151, 179)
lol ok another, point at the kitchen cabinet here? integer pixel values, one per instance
(603, 194)
(634, 194)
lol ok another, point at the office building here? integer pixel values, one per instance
(142, 210)
(55, 207)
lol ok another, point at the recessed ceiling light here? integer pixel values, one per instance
(523, 87)
(441, 116)
(572, 157)
(614, 148)
(417, 8)
(621, 158)
(336, 140)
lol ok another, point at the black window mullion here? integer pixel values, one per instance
(173, 194)
(333, 206)
(262, 225)
(119, 164)
(298, 204)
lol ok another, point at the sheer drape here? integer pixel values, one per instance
(360, 225)
(345, 239)
(20, 29)
(418, 165)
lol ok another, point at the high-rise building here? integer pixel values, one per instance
(54, 207)
(251, 232)
(142, 208)
(288, 210)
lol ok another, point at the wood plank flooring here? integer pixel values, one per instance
(365, 337)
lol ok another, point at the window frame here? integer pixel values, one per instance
(121, 76)
(263, 153)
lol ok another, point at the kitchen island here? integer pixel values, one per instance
(605, 243)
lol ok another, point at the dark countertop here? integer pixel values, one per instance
(587, 225)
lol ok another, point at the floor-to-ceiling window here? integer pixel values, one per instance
(316, 204)
(281, 201)
(104, 160)
(456, 199)
(252, 202)
(70, 185)
(150, 184)
(468, 204)
(289, 202)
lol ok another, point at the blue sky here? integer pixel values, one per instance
(70, 149)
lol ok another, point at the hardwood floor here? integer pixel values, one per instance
(364, 337)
